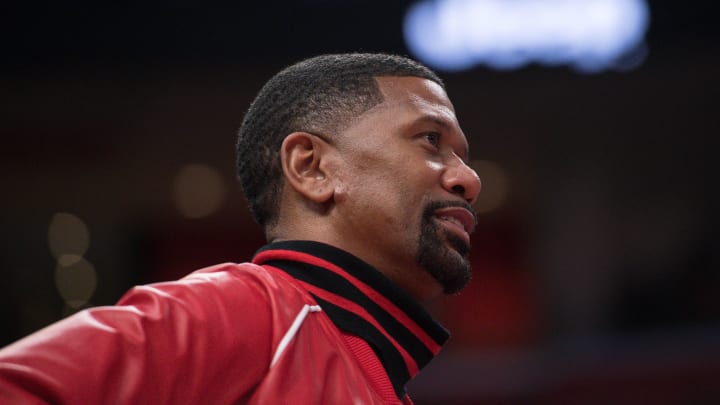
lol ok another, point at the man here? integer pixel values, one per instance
(356, 167)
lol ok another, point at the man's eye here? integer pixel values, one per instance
(433, 138)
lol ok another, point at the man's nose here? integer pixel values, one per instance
(462, 180)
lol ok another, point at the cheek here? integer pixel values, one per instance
(435, 166)
(394, 187)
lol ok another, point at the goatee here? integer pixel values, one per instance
(450, 266)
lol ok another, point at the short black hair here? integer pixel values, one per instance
(322, 95)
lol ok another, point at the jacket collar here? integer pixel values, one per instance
(362, 301)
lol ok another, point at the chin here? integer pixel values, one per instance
(445, 257)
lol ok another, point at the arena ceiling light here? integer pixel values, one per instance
(588, 35)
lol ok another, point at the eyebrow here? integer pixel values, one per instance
(446, 126)
(432, 118)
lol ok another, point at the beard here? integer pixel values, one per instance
(450, 266)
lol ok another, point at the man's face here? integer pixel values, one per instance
(405, 189)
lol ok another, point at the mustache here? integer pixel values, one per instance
(433, 206)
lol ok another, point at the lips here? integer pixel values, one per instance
(460, 219)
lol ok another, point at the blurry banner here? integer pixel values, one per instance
(588, 35)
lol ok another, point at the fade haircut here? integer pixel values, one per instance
(318, 95)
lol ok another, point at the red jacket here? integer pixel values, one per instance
(262, 332)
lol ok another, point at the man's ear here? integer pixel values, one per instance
(302, 157)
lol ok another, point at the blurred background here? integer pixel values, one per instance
(596, 276)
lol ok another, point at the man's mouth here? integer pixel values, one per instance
(458, 220)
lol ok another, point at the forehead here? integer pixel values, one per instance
(408, 103)
(414, 93)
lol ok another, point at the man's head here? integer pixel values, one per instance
(364, 152)
(318, 95)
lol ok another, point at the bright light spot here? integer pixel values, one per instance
(67, 234)
(199, 191)
(75, 279)
(495, 186)
(589, 35)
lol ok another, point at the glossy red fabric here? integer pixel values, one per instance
(206, 339)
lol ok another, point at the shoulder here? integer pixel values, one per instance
(246, 293)
(211, 333)
(215, 285)
(231, 281)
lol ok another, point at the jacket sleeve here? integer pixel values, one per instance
(203, 339)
